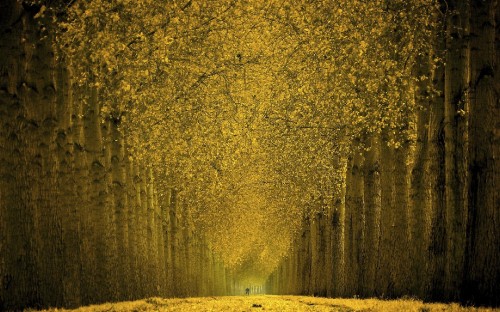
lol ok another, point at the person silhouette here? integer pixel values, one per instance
(247, 291)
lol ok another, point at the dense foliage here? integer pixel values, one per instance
(249, 107)
(325, 147)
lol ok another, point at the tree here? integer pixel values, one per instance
(481, 258)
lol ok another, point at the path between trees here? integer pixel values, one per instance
(274, 303)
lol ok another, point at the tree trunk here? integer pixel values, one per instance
(142, 222)
(354, 202)
(100, 203)
(82, 185)
(400, 224)
(175, 241)
(315, 256)
(372, 215)
(328, 266)
(121, 208)
(455, 131)
(438, 241)
(419, 191)
(133, 230)
(152, 248)
(337, 250)
(111, 227)
(482, 259)
(188, 241)
(385, 278)
(167, 230)
(21, 163)
(306, 255)
(162, 244)
(341, 231)
(68, 190)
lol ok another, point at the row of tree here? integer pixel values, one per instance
(419, 218)
(80, 219)
(162, 139)
(249, 108)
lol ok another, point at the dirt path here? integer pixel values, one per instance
(274, 303)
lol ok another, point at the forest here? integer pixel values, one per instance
(183, 148)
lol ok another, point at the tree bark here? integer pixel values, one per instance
(100, 203)
(160, 245)
(142, 222)
(82, 185)
(115, 291)
(68, 189)
(482, 260)
(455, 131)
(419, 192)
(151, 239)
(167, 206)
(19, 258)
(437, 211)
(385, 278)
(372, 214)
(354, 202)
(121, 208)
(133, 231)
(400, 223)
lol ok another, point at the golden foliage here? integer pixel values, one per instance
(250, 107)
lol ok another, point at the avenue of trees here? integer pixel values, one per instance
(418, 217)
(191, 148)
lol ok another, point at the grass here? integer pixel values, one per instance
(275, 303)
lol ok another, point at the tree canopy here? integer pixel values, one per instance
(249, 108)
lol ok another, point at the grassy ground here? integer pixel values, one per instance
(275, 303)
